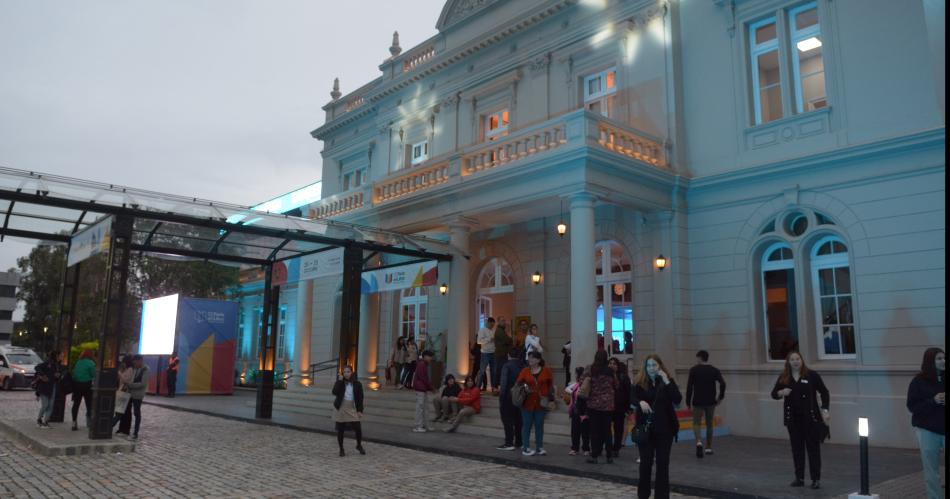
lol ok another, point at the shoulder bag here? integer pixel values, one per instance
(643, 430)
(519, 393)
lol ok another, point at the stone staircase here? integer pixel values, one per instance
(398, 408)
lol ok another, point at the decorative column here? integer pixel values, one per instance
(369, 337)
(304, 330)
(583, 318)
(663, 340)
(460, 316)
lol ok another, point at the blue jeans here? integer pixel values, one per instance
(536, 419)
(488, 363)
(46, 406)
(930, 445)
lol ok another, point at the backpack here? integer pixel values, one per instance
(519, 393)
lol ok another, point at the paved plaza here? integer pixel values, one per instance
(194, 455)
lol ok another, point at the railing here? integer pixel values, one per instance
(632, 144)
(337, 204)
(417, 179)
(417, 59)
(511, 148)
(354, 103)
(326, 365)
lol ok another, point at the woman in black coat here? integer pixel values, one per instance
(927, 403)
(805, 418)
(655, 397)
(621, 403)
(348, 402)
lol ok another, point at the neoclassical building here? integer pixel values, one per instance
(785, 158)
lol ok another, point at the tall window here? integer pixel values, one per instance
(354, 179)
(613, 277)
(600, 90)
(282, 333)
(496, 125)
(419, 152)
(496, 278)
(778, 295)
(798, 53)
(414, 302)
(831, 277)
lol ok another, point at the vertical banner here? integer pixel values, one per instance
(413, 275)
(90, 241)
(207, 342)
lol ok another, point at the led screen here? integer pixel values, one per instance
(159, 316)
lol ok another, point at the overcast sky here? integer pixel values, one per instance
(207, 98)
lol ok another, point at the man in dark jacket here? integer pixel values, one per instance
(510, 415)
(702, 399)
(48, 374)
(503, 343)
(423, 387)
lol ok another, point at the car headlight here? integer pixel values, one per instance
(22, 371)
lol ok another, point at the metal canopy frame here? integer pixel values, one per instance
(54, 208)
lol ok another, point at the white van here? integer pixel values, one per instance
(17, 366)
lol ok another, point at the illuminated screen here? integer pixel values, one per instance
(159, 316)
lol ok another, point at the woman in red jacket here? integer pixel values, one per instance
(540, 382)
(471, 401)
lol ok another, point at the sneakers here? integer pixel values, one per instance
(527, 452)
(133, 438)
(586, 452)
(505, 447)
(592, 460)
(540, 452)
(572, 452)
(75, 426)
(45, 426)
(815, 485)
(709, 452)
(419, 430)
(797, 483)
(699, 450)
(359, 448)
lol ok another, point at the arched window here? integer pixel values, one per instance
(613, 279)
(831, 288)
(413, 303)
(778, 301)
(496, 278)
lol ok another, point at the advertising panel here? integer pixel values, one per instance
(157, 335)
(90, 241)
(412, 275)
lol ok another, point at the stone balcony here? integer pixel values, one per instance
(569, 131)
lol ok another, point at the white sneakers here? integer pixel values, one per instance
(527, 452)
(419, 430)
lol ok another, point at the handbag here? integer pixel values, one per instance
(643, 430)
(519, 393)
(122, 401)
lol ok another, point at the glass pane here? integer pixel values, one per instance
(826, 284)
(599, 260)
(610, 80)
(839, 247)
(843, 280)
(829, 314)
(593, 86)
(812, 70)
(422, 311)
(600, 317)
(594, 107)
(825, 249)
(618, 259)
(765, 33)
(832, 341)
(844, 310)
(346, 182)
(806, 19)
(847, 340)
(504, 118)
(780, 312)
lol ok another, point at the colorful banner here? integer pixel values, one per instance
(90, 241)
(322, 264)
(413, 275)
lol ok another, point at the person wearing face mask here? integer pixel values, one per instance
(348, 403)
(927, 403)
(805, 419)
(655, 397)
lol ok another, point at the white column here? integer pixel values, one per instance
(304, 330)
(663, 340)
(583, 317)
(460, 316)
(369, 336)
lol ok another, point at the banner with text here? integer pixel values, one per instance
(90, 241)
(323, 264)
(412, 275)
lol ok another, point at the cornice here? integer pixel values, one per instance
(321, 132)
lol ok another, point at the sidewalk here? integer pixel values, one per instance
(741, 467)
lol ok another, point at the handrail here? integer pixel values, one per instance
(325, 365)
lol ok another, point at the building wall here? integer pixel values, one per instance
(9, 281)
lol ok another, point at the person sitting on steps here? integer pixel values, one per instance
(471, 401)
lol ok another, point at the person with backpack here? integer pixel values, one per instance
(48, 374)
(655, 397)
(510, 413)
(927, 403)
(471, 401)
(599, 391)
(82, 375)
(538, 381)
(621, 404)
(348, 407)
(580, 422)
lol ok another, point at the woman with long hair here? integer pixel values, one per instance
(540, 383)
(621, 403)
(397, 360)
(805, 417)
(409, 367)
(600, 391)
(348, 402)
(926, 400)
(655, 396)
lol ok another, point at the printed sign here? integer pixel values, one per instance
(323, 264)
(413, 275)
(90, 241)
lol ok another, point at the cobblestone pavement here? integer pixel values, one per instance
(184, 454)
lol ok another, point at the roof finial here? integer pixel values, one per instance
(395, 49)
(335, 94)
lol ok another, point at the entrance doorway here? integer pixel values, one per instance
(496, 292)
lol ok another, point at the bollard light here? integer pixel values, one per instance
(863, 427)
(865, 492)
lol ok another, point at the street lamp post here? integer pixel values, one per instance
(863, 433)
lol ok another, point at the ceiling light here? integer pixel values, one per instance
(808, 44)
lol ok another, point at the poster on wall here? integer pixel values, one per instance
(413, 275)
(322, 264)
(90, 241)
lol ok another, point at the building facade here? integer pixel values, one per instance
(785, 158)
(9, 281)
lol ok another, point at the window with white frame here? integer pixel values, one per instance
(795, 51)
(778, 298)
(413, 316)
(353, 179)
(496, 125)
(614, 307)
(831, 287)
(282, 333)
(600, 91)
(419, 152)
(495, 278)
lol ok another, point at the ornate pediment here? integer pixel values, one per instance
(456, 11)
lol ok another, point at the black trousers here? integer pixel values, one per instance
(357, 428)
(580, 434)
(511, 421)
(125, 419)
(409, 371)
(172, 378)
(804, 437)
(82, 392)
(617, 420)
(600, 432)
(658, 450)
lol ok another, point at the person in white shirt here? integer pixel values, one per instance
(486, 340)
(532, 342)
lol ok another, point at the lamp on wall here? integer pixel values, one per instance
(661, 262)
(443, 288)
(561, 226)
(536, 278)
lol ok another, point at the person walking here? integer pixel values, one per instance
(137, 389)
(576, 409)
(566, 362)
(396, 361)
(470, 400)
(423, 387)
(348, 405)
(503, 344)
(532, 342)
(701, 398)
(48, 374)
(927, 403)
(655, 397)
(540, 384)
(599, 391)
(446, 404)
(122, 414)
(621, 404)
(510, 414)
(804, 417)
(486, 342)
(83, 373)
(171, 377)
(409, 367)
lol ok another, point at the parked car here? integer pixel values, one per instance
(17, 366)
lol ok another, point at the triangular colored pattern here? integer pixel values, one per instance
(430, 277)
(200, 367)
